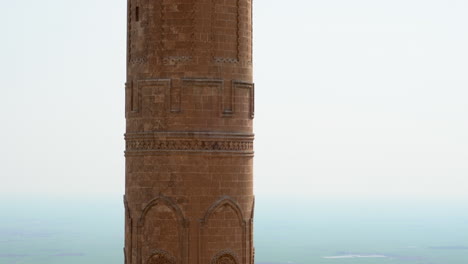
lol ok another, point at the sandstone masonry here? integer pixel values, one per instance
(189, 141)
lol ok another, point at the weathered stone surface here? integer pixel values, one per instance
(189, 141)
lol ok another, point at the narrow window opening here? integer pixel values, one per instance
(137, 14)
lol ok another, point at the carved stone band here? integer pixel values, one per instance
(189, 142)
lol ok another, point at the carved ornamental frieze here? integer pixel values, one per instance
(199, 142)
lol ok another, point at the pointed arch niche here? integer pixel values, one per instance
(162, 228)
(222, 229)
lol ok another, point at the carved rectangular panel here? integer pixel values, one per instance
(243, 99)
(150, 98)
(202, 96)
(152, 18)
(225, 31)
(177, 28)
(137, 47)
(153, 98)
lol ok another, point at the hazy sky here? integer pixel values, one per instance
(353, 98)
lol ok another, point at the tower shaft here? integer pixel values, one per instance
(189, 137)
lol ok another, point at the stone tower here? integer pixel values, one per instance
(189, 142)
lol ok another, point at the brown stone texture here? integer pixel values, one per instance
(189, 141)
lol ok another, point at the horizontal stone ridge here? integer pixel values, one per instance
(190, 142)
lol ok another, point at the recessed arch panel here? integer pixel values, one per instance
(223, 229)
(162, 228)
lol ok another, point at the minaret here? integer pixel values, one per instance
(189, 142)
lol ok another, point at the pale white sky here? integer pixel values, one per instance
(353, 98)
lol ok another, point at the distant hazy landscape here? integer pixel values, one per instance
(73, 231)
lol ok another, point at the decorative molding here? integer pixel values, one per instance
(166, 97)
(138, 61)
(225, 60)
(171, 60)
(189, 142)
(202, 82)
(189, 145)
